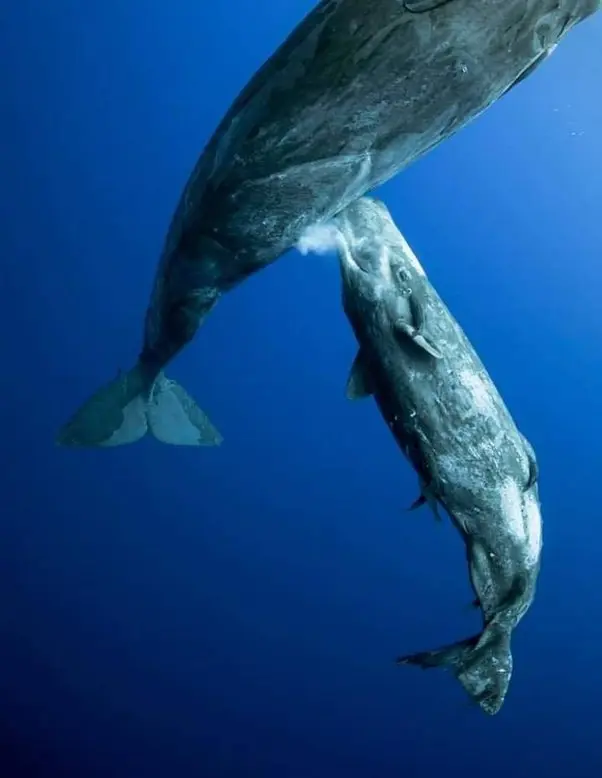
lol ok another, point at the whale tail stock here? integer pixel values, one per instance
(482, 664)
(134, 403)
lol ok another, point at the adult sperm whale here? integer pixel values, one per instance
(453, 426)
(359, 90)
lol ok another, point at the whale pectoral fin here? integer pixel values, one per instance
(533, 466)
(414, 330)
(417, 312)
(359, 383)
(426, 497)
(422, 6)
(405, 330)
(418, 502)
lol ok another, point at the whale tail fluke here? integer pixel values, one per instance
(135, 403)
(482, 664)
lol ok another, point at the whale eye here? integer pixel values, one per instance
(366, 254)
(403, 281)
(364, 251)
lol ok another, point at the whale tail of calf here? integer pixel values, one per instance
(134, 404)
(482, 664)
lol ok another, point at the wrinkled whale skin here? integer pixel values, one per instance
(357, 92)
(455, 429)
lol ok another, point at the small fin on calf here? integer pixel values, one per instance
(423, 500)
(405, 330)
(123, 410)
(426, 497)
(414, 327)
(359, 383)
(418, 502)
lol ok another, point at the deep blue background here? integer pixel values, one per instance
(236, 612)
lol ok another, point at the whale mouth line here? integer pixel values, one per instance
(351, 249)
(349, 260)
(355, 264)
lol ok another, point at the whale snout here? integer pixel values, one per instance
(359, 249)
(362, 226)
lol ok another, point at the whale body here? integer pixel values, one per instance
(452, 425)
(358, 91)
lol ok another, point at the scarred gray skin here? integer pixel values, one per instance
(451, 423)
(358, 91)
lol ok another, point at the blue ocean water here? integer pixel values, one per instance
(236, 611)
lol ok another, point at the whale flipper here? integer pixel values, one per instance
(426, 497)
(359, 383)
(418, 503)
(406, 330)
(421, 6)
(413, 330)
(424, 500)
(131, 405)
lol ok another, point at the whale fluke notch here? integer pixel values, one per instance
(135, 403)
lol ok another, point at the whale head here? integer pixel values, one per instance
(379, 270)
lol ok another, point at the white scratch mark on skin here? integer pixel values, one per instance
(512, 508)
(479, 391)
(533, 521)
(385, 264)
(523, 517)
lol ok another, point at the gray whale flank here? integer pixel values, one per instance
(453, 427)
(357, 92)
